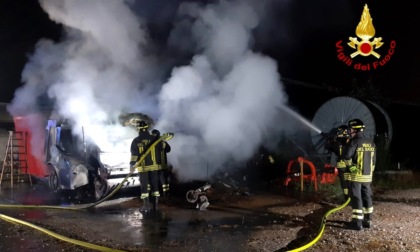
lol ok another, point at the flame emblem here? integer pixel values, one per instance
(365, 31)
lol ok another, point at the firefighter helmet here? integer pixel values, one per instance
(356, 124)
(156, 132)
(342, 131)
(142, 125)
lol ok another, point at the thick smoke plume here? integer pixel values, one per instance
(222, 101)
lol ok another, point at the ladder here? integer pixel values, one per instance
(15, 163)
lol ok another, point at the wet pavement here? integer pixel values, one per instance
(233, 222)
(177, 223)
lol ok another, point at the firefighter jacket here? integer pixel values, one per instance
(339, 146)
(160, 156)
(139, 146)
(361, 158)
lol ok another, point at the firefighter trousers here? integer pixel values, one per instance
(343, 181)
(361, 201)
(149, 182)
(164, 180)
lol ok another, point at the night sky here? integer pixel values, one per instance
(22, 24)
(301, 35)
(306, 50)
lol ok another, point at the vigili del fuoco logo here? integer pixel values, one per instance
(365, 45)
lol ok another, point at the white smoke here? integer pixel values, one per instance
(97, 70)
(221, 106)
(228, 117)
(227, 99)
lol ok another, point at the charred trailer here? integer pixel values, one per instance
(73, 164)
(31, 128)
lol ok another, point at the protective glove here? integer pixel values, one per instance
(353, 169)
(341, 164)
(132, 168)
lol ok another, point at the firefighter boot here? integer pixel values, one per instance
(367, 223)
(155, 203)
(145, 207)
(356, 224)
(165, 195)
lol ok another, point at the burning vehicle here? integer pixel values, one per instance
(72, 164)
(78, 165)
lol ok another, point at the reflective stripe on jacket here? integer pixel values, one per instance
(362, 154)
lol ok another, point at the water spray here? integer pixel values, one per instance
(301, 118)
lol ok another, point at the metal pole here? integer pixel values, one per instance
(301, 173)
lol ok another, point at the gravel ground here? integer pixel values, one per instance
(259, 222)
(396, 226)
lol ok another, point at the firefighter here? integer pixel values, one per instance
(360, 159)
(341, 145)
(148, 169)
(161, 151)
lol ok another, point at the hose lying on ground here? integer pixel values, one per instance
(321, 230)
(79, 207)
(55, 235)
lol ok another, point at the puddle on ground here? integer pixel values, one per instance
(130, 225)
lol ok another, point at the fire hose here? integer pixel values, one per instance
(165, 137)
(70, 240)
(321, 229)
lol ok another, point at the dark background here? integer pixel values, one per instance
(306, 54)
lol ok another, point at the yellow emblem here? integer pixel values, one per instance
(365, 31)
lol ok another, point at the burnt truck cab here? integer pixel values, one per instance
(73, 165)
(85, 168)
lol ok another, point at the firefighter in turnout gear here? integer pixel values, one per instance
(161, 151)
(341, 145)
(148, 168)
(360, 160)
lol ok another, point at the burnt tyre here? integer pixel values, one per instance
(53, 181)
(100, 188)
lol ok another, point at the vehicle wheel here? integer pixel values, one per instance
(100, 188)
(192, 196)
(53, 181)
